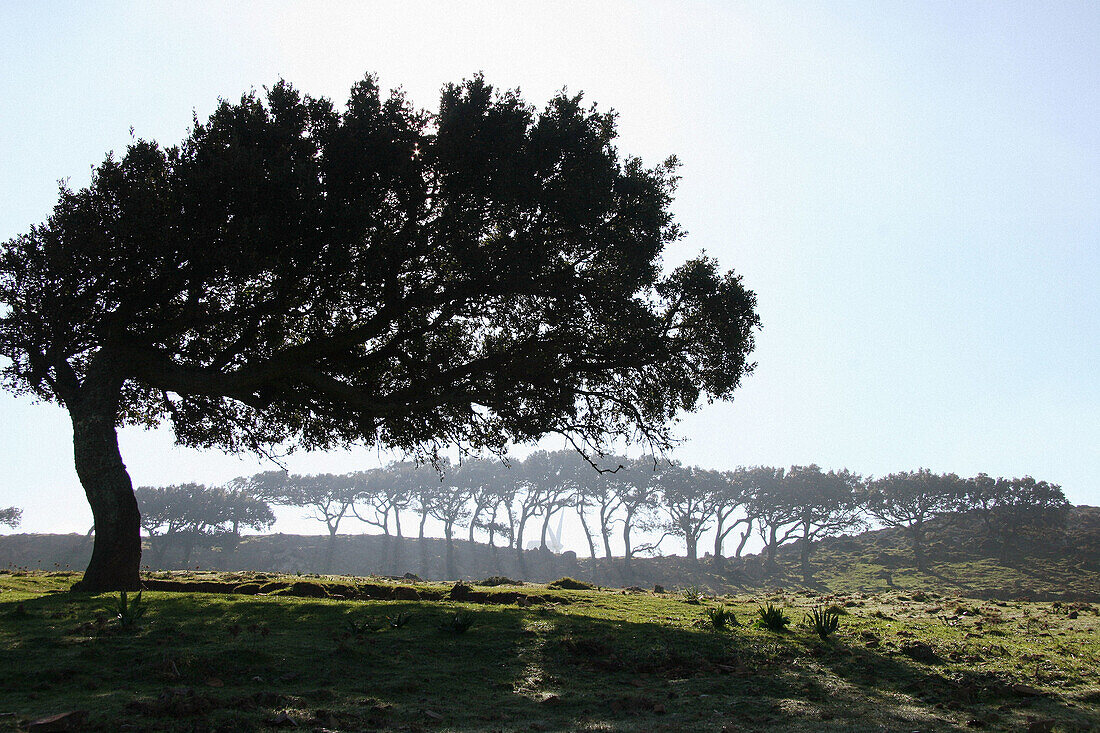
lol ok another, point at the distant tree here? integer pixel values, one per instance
(824, 505)
(479, 477)
(301, 273)
(381, 497)
(242, 510)
(732, 493)
(328, 497)
(686, 494)
(596, 490)
(182, 514)
(633, 487)
(909, 499)
(451, 506)
(11, 516)
(774, 508)
(1011, 508)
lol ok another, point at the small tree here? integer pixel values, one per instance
(909, 499)
(329, 497)
(11, 516)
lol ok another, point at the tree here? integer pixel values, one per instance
(909, 499)
(11, 516)
(732, 493)
(182, 513)
(328, 496)
(686, 494)
(301, 275)
(823, 504)
(1012, 507)
(633, 486)
(773, 508)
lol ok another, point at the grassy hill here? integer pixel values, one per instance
(256, 651)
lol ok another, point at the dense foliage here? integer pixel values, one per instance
(299, 274)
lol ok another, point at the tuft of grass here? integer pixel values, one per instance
(824, 621)
(693, 594)
(772, 618)
(401, 619)
(721, 618)
(128, 612)
(457, 624)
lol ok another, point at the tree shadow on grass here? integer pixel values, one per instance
(203, 660)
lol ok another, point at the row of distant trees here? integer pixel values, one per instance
(509, 502)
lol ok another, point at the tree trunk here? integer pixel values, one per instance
(452, 570)
(588, 536)
(330, 550)
(744, 541)
(116, 554)
(917, 533)
(691, 542)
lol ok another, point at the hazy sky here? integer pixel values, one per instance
(912, 190)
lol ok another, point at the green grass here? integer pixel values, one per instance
(563, 660)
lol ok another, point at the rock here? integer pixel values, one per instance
(918, 651)
(411, 576)
(1022, 689)
(405, 593)
(72, 720)
(433, 716)
(460, 592)
(282, 720)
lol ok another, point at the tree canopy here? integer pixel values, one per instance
(299, 274)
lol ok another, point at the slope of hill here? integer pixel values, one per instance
(1059, 565)
(262, 651)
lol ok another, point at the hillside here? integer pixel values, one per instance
(262, 652)
(1059, 565)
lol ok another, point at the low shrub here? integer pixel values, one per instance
(824, 621)
(457, 624)
(129, 612)
(772, 618)
(495, 580)
(721, 618)
(568, 583)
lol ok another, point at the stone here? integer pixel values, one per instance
(71, 720)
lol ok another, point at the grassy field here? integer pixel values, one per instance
(266, 651)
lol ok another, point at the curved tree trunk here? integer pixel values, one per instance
(116, 554)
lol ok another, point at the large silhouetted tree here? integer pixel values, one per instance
(300, 273)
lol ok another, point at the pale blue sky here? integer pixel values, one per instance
(912, 189)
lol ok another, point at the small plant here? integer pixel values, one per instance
(693, 594)
(824, 621)
(772, 618)
(129, 612)
(721, 618)
(360, 628)
(396, 622)
(457, 624)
